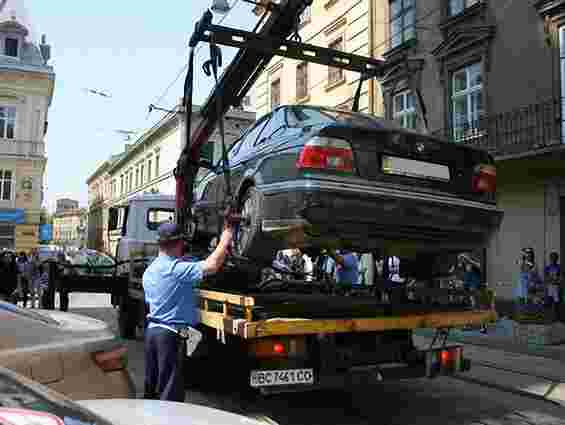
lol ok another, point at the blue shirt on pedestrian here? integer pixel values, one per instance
(169, 285)
(348, 272)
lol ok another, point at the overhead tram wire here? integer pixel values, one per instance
(185, 66)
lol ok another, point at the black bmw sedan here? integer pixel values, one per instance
(313, 177)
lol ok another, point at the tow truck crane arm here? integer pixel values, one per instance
(257, 49)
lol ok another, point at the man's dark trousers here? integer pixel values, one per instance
(164, 358)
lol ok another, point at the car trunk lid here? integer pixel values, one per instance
(412, 159)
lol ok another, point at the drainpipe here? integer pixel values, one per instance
(371, 83)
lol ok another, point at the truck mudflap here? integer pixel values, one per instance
(431, 363)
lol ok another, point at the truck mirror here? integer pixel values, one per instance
(113, 218)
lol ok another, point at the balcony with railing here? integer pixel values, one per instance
(21, 148)
(528, 130)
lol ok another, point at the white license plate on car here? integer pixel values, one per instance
(268, 378)
(418, 169)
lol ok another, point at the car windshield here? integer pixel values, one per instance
(11, 308)
(303, 116)
(17, 394)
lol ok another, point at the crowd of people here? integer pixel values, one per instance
(535, 288)
(24, 278)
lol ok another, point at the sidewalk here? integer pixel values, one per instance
(499, 337)
(496, 362)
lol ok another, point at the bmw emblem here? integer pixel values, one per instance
(420, 147)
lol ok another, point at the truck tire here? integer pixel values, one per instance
(127, 318)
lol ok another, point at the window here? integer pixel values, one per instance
(130, 180)
(275, 93)
(121, 185)
(302, 81)
(7, 122)
(156, 217)
(157, 157)
(5, 185)
(11, 47)
(457, 6)
(336, 75)
(127, 180)
(466, 101)
(137, 177)
(149, 165)
(402, 22)
(404, 109)
(142, 173)
(249, 138)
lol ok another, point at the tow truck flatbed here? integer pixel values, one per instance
(248, 328)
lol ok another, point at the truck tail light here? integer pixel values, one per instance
(447, 361)
(484, 179)
(112, 360)
(277, 348)
(326, 153)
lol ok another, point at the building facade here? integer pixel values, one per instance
(490, 74)
(355, 26)
(99, 200)
(26, 90)
(70, 228)
(147, 165)
(481, 72)
(66, 204)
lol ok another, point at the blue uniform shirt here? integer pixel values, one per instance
(169, 285)
(349, 271)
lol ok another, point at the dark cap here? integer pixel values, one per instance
(169, 232)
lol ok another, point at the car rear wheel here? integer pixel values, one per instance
(250, 242)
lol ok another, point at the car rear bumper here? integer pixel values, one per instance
(357, 211)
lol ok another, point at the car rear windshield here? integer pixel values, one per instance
(303, 116)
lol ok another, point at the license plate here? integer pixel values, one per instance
(412, 168)
(268, 378)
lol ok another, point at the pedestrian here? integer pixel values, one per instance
(39, 285)
(24, 278)
(347, 269)
(552, 277)
(169, 284)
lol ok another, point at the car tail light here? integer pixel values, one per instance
(484, 179)
(112, 360)
(326, 153)
(17, 416)
(268, 348)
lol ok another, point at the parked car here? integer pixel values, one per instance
(25, 402)
(92, 259)
(73, 354)
(156, 412)
(312, 177)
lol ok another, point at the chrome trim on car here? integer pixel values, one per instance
(325, 185)
(285, 224)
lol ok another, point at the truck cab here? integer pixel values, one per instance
(132, 227)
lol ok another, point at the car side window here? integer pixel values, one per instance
(272, 128)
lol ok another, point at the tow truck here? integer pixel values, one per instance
(299, 335)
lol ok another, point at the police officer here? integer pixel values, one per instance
(169, 284)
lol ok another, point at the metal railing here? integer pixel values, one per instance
(24, 148)
(521, 130)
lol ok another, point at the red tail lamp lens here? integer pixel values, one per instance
(113, 360)
(484, 179)
(278, 348)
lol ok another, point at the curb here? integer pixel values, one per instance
(557, 402)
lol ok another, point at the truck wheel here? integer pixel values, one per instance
(250, 241)
(127, 318)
